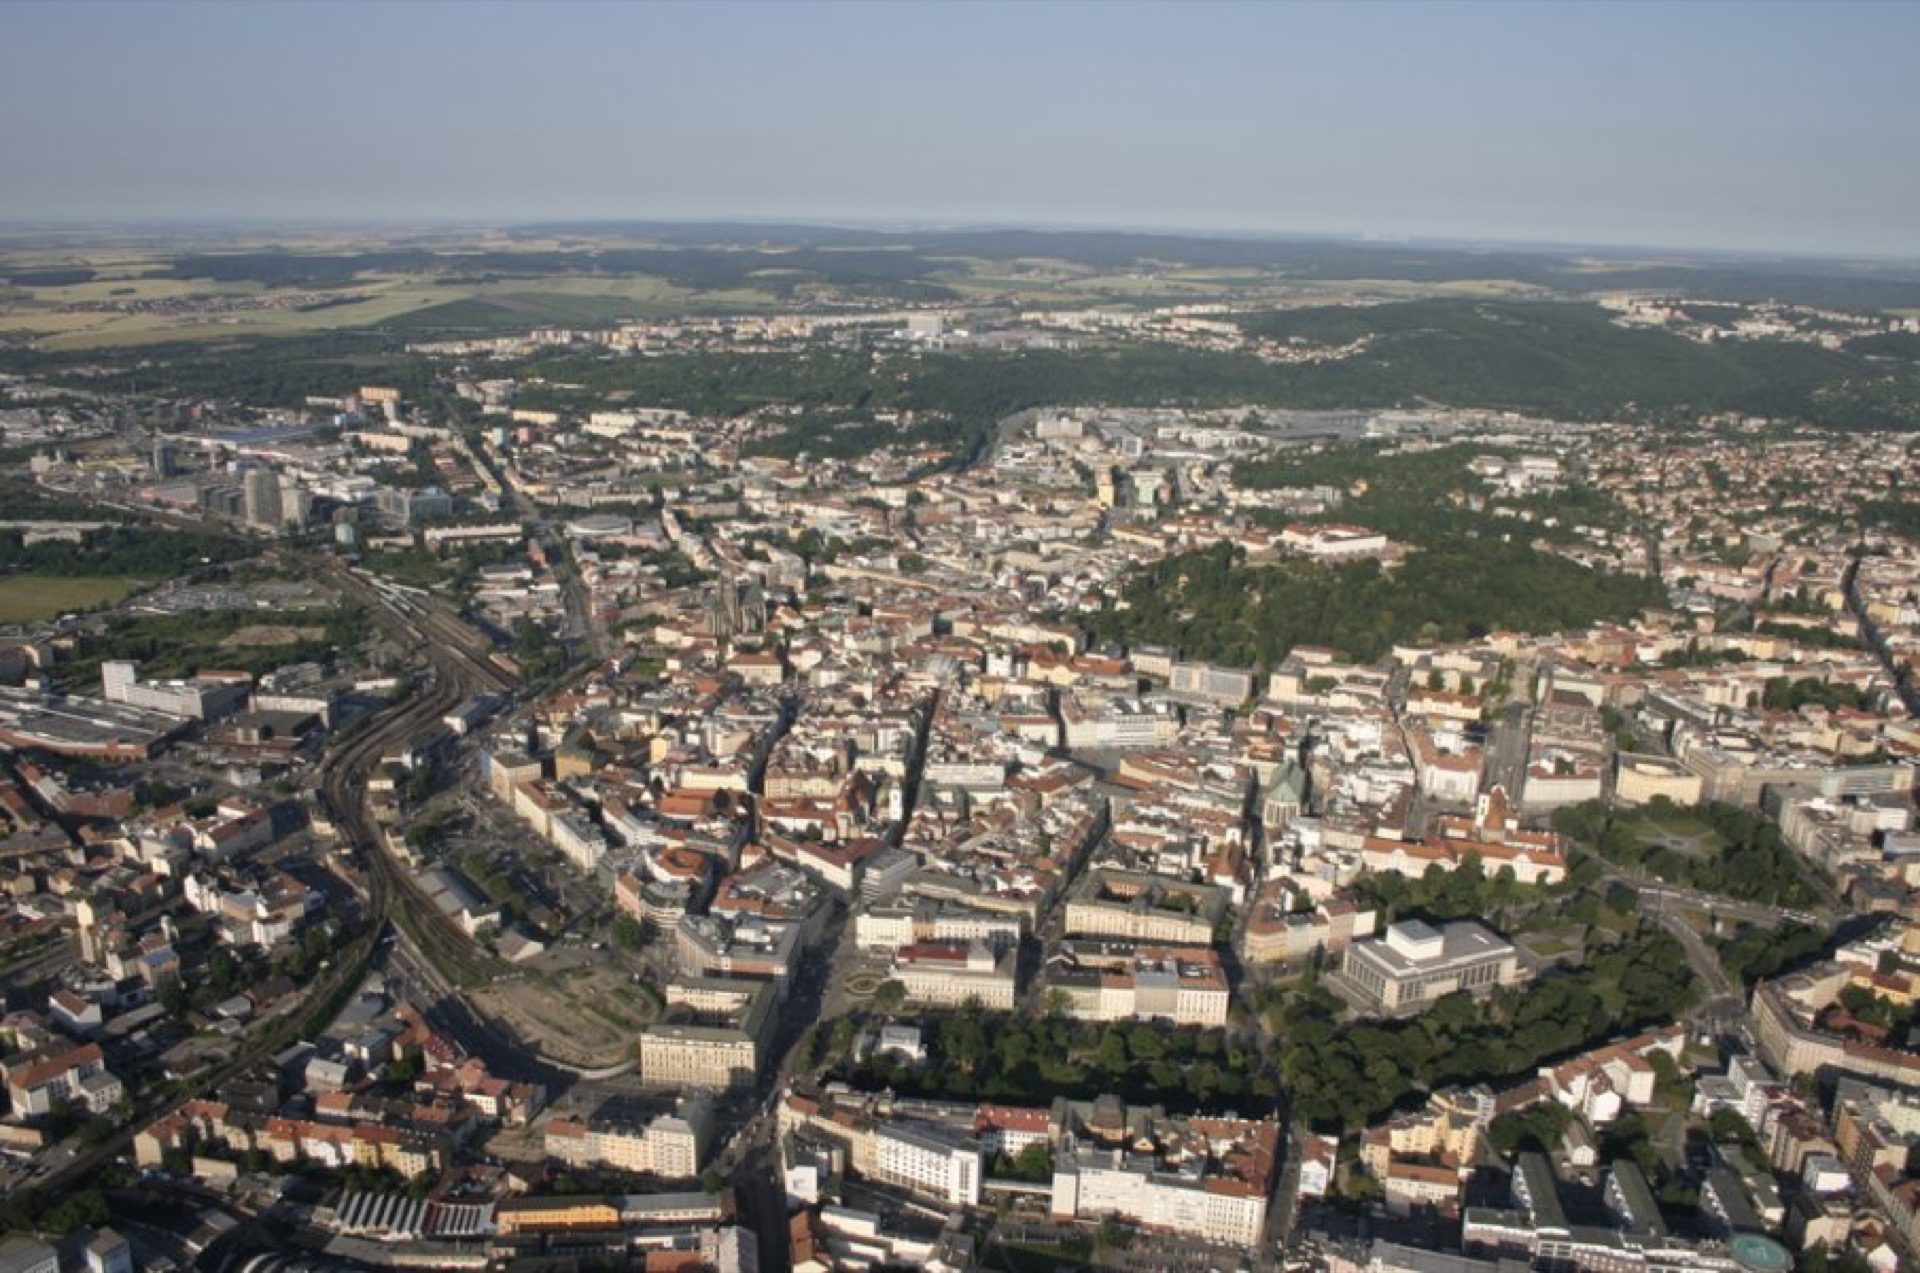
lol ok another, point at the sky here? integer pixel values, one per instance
(1766, 126)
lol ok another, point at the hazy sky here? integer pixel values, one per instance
(1697, 124)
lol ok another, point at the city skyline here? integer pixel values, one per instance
(1098, 634)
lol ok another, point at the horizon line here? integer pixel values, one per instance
(936, 225)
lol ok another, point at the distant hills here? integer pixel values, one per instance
(1835, 282)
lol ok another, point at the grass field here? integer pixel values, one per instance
(30, 598)
(386, 299)
(1677, 830)
(1551, 946)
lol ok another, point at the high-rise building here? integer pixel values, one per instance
(222, 499)
(296, 504)
(203, 698)
(162, 458)
(260, 489)
(409, 506)
(117, 679)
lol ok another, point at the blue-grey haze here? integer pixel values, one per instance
(1727, 125)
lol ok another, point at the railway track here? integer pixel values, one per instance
(342, 780)
(462, 666)
(460, 669)
(451, 645)
(462, 662)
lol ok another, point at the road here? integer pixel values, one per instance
(1713, 903)
(1726, 1004)
(43, 963)
(1507, 749)
(446, 1011)
(1903, 685)
(751, 1158)
(573, 590)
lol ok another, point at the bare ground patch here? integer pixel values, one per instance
(269, 634)
(586, 1015)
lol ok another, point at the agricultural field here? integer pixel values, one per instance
(412, 304)
(105, 296)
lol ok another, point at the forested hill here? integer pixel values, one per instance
(1420, 497)
(1572, 360)
(1212, 605)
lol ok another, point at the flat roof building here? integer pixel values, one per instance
(1116, 981)
(1142, 907)
(951, 974)
(712, 1035)
(1415, 964)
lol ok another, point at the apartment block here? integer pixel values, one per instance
(713, 1034)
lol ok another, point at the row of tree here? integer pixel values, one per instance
(141, 552)
(1018, 1060)
(1788, 694)
(167, 645)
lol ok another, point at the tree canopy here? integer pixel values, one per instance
(1715, 848)
(1212, 605)
(1347, 1075)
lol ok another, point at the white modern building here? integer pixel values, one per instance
(929, 1159)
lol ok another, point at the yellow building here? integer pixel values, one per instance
(517, 1216)
(1638, 780)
